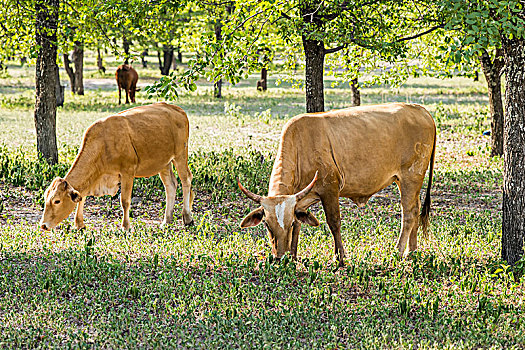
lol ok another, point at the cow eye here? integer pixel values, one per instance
(57, 201)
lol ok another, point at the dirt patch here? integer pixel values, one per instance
(106, 84)
(18, 205)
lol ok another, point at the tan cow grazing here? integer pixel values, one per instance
(138, 142)
(350, 153)
(127, 78)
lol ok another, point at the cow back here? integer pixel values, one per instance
(362, 149)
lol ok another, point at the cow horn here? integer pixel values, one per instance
(254, 197)
(306, 190)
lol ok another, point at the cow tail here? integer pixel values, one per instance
(424, 217)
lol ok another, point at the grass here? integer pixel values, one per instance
(215, 285)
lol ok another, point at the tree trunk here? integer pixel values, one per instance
(100, 64)
(168, 58)
(356, 94)
(59, 93)
(45, 78)
(217, 89)
(78, 60)
(174, 61)
(160, 60)
(217, 86)
(179, 55)
(514, 151)
(143, 58)
(125, 44)
(262, 85)
(492, 71)
(314, 53)
(70, 73)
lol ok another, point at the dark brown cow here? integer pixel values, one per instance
(127, 78)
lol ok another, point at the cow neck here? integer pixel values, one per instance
(281, 180)
(82, 172)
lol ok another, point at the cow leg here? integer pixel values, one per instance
(127, 95)
(132, 92)
(119, 94)
(170, 185)
(181, 164)
(295, 238)
(333, 218)
(79, 215)
(410, 204)
(126, 187)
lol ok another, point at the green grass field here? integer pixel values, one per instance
(214, 285)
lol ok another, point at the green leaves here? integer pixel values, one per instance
(166, 87)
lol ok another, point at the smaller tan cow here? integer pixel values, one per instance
(138, 142)
(350, 153)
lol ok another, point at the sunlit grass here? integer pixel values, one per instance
(214, 285)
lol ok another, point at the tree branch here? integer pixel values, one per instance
(285, 16)
(420, 34)
(335, 49)
(249, 18)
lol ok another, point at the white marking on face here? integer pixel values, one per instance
(280, 210)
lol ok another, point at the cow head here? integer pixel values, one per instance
(60, 200)
(279, 213)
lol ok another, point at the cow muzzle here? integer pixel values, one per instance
(46, 226)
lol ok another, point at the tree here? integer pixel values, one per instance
(75, 32)
(46, 68)
(78, 60)
(491, 24)
(356, 94)
(100, 63)
(126, 43)
(454, 55)
(317, 28)
(493, 69)
(218, 12)
(217, 85)
(264, 59)
(35, 28)
(168, 59)
(164, 32)
(514, 146)
(76, 74)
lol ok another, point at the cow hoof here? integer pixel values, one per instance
(340, 261)
(187, 219)
(165, 223)
(191, 223)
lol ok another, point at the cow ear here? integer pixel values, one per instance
(306, 218)
(254, 218)
(65, 185)
(75, 196)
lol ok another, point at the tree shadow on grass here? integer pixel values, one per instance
(80, 297)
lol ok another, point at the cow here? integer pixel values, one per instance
(127, 78)
(350, 153)
(138, 142)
